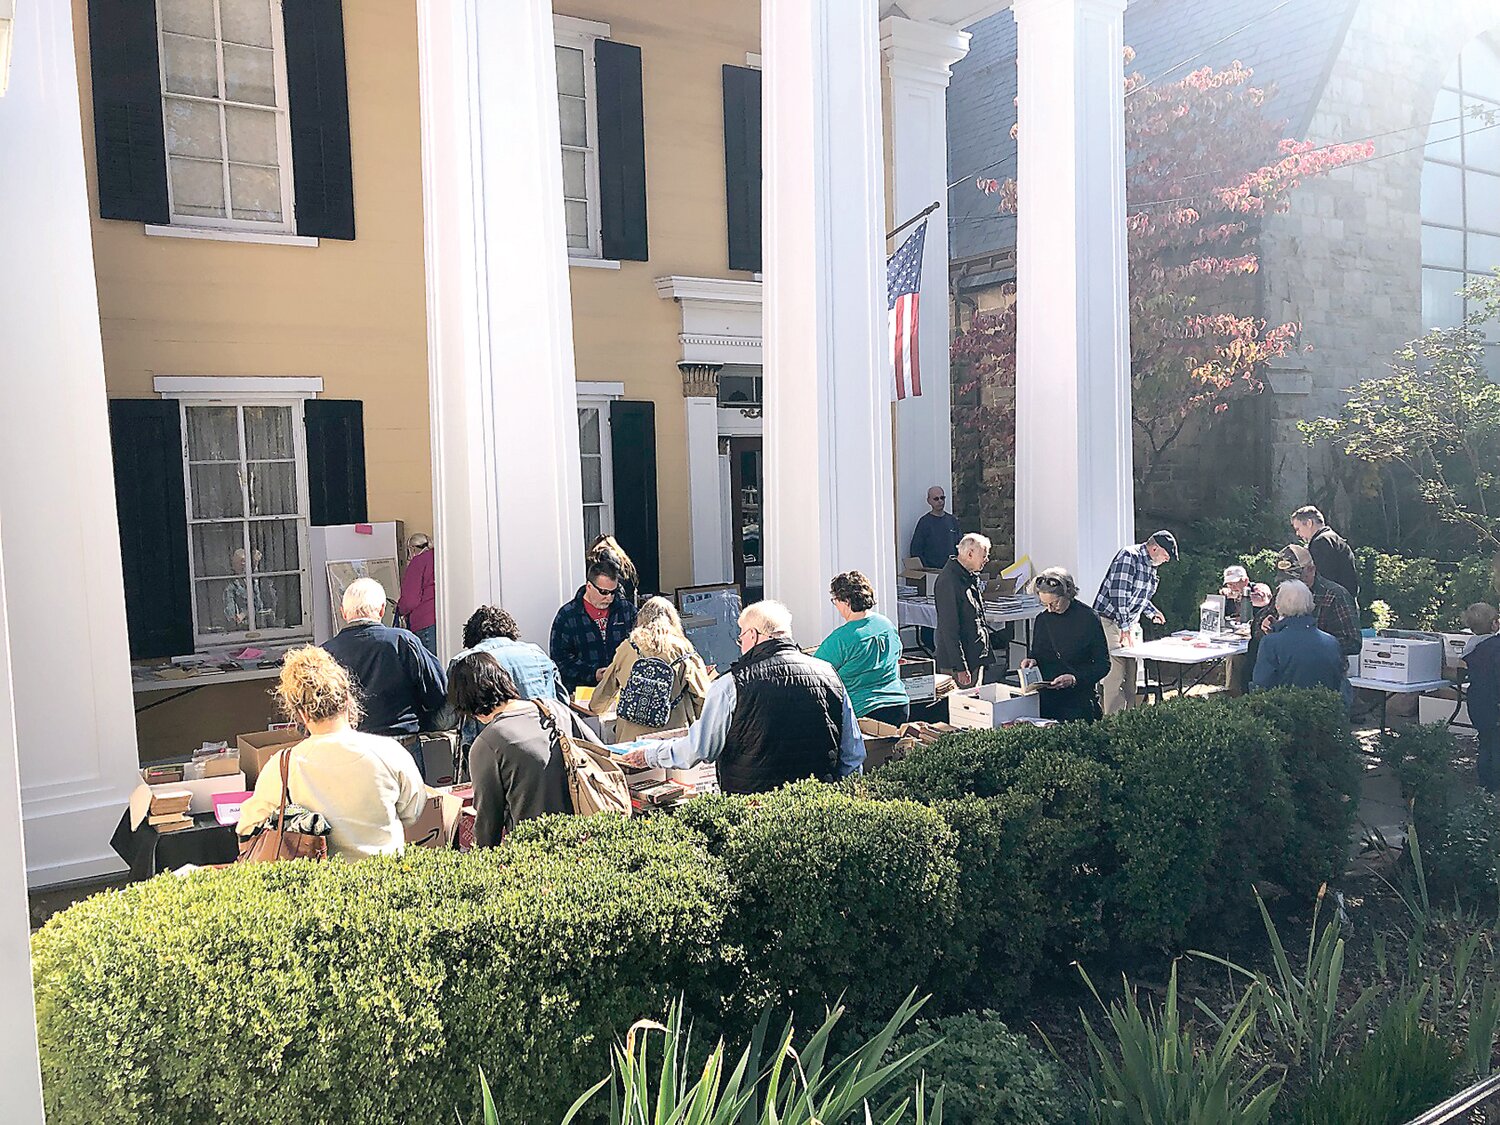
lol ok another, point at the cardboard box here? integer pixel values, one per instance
(1399, 660)
(880, 742)
(205, 790)
(439, 821)
(1436, 708)
(991, 705)
(919, 678)
(440, 757)
(258, 747)
(914, 574)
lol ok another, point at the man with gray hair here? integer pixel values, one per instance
(1297, 653)
(401, 685)
(963, 639)
(778, 716)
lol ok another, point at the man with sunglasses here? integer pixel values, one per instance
(586, 631)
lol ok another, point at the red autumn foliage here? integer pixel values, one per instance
(1203, 165)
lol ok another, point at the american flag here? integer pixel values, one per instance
(903, 282)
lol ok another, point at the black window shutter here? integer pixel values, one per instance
(318, 95)
(742, 165)
(130, 147)
(146, 438)
(622, 150)
(335, 461)
(632, 427)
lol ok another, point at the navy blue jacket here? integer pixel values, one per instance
(401, 684)
(935, 539)
(1297, 653)
(1483, 692)
(578, 648)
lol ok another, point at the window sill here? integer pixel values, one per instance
(225, 234)
(594, 263)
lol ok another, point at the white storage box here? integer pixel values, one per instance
(203, 791)
(1398, 660)
(919, 678)
(1454, 647)
(991, 705)
(1436, 709)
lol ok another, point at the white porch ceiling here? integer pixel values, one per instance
(953, 13)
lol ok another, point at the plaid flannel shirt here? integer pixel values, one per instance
(1125, 594)
(1338, 616)
(577, 646)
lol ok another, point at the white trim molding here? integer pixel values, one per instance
(600, 390)
(577, 259)
(237, 386)
(228, 234)
(721, 318)
(573, 25)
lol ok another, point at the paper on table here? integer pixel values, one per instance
(1020, 570)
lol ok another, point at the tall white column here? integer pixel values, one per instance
(1074, 485)
(827, 424)
(918, 58)
(507, 496)
(700, 400)
(70, 680)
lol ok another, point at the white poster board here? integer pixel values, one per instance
(718, 606)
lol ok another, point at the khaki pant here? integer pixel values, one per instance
(1119, 685)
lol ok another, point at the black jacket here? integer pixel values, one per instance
(1334, 559)
(963, 640)
(788, 716)
(1070, 643)
(401, 685)
(1483, 663)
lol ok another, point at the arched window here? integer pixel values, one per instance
(1461, 186)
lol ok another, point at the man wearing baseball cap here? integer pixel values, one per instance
(1338, 616)
(1124, 598)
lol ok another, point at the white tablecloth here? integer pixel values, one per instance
(923, 613)
(1195, 649)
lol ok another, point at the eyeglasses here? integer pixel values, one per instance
(602, 592)
(752, 632)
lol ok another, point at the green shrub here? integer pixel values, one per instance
(1423, 759)
(989, 1074)
(1403, 1069)
(1463, 859)
(1416, 589)
(833, 895)
(371, 991)
(1188, 818)
(1473, 582)
(1321, 760)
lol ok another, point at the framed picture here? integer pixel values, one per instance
(342, 574)
(711, 619)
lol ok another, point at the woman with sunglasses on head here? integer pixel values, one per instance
(1068, 645)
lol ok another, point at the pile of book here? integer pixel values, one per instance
(169, 810)
(655, 796)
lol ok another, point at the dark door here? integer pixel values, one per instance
(745, 466)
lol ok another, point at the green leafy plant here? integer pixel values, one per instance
(989, 1074)
(796, 1085)
(1306, 1016)
(1154, 1071)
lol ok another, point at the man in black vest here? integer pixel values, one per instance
(778, 716)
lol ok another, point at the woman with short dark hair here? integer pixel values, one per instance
(865, 651)
(1068, 646)
(517, 771)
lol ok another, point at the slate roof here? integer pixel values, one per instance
(1289, 44)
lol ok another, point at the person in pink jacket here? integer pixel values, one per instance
(418, 600)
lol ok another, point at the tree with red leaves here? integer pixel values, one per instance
(1203, 165)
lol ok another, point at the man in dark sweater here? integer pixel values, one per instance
(401, 684)
(963, 639)
(1331, 554)
(937, 533)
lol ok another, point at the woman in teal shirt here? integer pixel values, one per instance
(866, 652)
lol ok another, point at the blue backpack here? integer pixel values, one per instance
(646, 699)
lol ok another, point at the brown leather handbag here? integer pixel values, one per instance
(270, 844)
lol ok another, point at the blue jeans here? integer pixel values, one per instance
(428, 637)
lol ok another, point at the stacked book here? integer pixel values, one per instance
(169, 810)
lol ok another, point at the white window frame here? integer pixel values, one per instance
(282, 112)
(600, 402)
(581, 35)
(194, 391)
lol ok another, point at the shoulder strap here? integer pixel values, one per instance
(286, 765)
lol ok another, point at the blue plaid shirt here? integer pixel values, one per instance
(1125, 594)
(579, 648)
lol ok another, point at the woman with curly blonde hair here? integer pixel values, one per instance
(365, 785)
(670, 676)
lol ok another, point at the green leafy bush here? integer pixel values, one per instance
(1463, 858)
(1416, 589)
(370, 991)
(1321, 761)
(1423, 759)
(833, 896)
(989, 1075)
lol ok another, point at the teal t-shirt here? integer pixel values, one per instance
(866, 653)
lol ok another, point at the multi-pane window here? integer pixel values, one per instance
(247, 520)
(224, 102)
(598, 479)
(1461, 186)
(576, 117)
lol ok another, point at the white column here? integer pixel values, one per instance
(700, 400)
(507, 496)
(1074, 484)
(918, 58)
(827, 426)
(74, 712)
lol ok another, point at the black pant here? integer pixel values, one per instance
(892, 715)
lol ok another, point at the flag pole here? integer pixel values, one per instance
(918, 217)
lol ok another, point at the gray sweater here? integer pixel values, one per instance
(516, 775)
